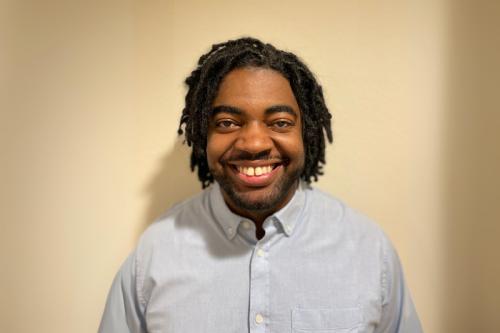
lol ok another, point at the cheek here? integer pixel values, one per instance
(299, 147)
(210, 150)
(216, 147)
(291, 145)
(298, 150)
(211, 154)
(299, 154)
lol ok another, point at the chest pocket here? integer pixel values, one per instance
(347, 320)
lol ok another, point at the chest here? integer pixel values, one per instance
(264, 290)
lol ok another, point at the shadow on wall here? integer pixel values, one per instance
(172, 183)
(472, 302)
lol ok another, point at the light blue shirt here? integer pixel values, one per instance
(320, 268)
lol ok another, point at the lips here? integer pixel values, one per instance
(255, 173)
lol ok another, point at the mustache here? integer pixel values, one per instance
(246, 156)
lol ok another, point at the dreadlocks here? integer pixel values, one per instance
(203, 84)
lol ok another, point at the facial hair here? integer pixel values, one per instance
(267, 204)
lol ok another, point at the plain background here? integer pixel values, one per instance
(91, 96)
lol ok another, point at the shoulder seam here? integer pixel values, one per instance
(384, 272)
(139, 273)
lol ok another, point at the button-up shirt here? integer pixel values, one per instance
(321, 267)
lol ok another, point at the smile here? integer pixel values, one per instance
(254, 174)
(255, 171)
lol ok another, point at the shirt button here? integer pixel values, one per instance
(260, 252)
(288, 229)
(246, 225)
(259, 319)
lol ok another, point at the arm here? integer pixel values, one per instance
(398, 311)
(123, 312)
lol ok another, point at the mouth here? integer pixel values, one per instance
(257, 171)
(256, 174)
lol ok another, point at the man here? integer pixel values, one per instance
(259, 250)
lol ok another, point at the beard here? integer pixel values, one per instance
(267, 203)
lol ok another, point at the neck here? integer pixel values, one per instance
(258, 216)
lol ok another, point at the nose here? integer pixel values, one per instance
(254, 138)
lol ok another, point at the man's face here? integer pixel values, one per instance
(255, 149)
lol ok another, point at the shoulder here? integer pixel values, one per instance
(184, 217)
(347, 228)
(164, 242)
(342, 225)
(335, 212)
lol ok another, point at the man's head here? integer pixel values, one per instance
(250, 105)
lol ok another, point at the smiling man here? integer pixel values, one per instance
(255, 149)
(259, 250)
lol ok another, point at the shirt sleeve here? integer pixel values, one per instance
(398, 312)
(123, 311)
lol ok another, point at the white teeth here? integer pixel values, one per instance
(257, 171)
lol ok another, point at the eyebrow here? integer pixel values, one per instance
(226, 109)
(269, 111)
(280, 108)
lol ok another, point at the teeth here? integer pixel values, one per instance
(257, 171)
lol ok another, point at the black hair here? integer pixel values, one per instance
(203, 84)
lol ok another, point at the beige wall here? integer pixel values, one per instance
(472, 170)
(91, 96)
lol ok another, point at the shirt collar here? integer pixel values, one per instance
(228, 220)
(290, 215)
(287, 217)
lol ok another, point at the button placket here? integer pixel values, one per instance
(259, 291)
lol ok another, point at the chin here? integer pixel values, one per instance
(256, 203)
(261, 200)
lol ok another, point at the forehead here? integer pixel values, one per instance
(255, 87)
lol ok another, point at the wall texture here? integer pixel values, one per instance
(91, 96)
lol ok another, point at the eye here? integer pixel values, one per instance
(225, 124)
(282, 124)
